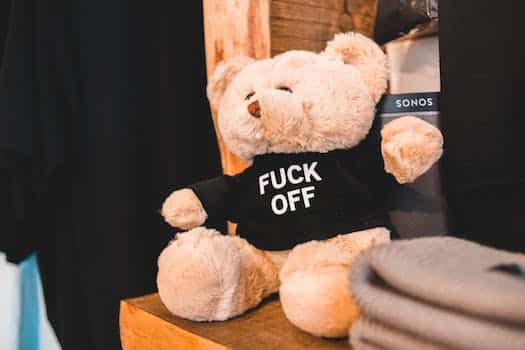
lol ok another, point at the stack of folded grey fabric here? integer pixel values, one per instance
(438, 293)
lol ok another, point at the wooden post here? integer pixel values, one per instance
(234, 27)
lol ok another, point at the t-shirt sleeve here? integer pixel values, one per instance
(366, 162)
(218, 195)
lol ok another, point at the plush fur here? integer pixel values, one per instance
(314, 282)
(355, 49)
(292, 91)
(205, 276)
(410, 146)
(183, 209)
(295, 102)
(222, 77)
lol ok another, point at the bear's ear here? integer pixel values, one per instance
(223, 76)
(366, 55)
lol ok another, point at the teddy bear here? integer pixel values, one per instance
(313, 197)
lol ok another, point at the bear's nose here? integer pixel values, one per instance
(254, 109)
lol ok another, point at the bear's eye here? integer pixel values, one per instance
(249, 95)
(285, 88)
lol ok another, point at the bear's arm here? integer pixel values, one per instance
(219, 196)
(210, 200)
(410, 146)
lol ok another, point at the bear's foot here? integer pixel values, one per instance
(314, 292)
(206, 276)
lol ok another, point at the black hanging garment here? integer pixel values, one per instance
(482, 73)
(90, 139)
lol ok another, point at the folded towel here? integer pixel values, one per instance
(438, 293)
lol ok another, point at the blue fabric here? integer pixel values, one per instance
(29, 337)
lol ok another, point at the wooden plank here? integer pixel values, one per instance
(146, 324)
(234, 27)
(285, 43)
(307, 25)
(302, 30)
(141, 330)
(304, 13)
(337, 5)
(363, 13)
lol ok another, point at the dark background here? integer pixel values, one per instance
(482, 76)
(103, 113)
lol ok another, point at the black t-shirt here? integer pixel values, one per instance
(286, 199)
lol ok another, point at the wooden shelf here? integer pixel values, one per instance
(146, 324)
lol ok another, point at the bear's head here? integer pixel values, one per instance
(299, 101)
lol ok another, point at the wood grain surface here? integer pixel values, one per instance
(146, 324)
(309, 24)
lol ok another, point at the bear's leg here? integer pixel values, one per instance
(206, 276)
(314, 292)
